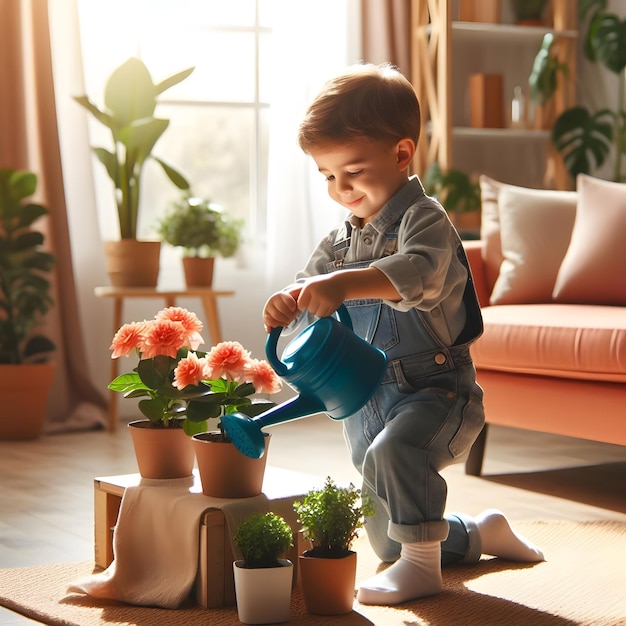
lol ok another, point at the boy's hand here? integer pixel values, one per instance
(280, 310)
(322, 295)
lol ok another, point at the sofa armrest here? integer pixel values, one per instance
(473, 250)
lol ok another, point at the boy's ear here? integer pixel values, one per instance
(405, 150)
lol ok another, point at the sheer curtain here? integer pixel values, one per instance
(312, 41)
(28, 127)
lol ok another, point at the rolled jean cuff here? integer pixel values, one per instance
(474, 542)
(414, 533)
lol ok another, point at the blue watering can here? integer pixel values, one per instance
(333, 369)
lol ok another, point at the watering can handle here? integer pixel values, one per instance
(272, 341)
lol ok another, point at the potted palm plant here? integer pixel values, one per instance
(263, 577)
(130, 100)
(25, 374)
(330, 518)
(204, 231)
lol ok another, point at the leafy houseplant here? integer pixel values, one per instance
(24, 287)
(262, 540)
(330, 518)
(454, 189)
(263, 581)
(26, 375)
(130, 100)
(585, 139)
(200, 227)
(174, 380)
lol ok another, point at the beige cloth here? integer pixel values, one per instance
(155, 542)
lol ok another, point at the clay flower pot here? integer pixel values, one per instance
(162, 452)
(224, 471)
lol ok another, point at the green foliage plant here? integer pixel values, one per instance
(200, 227)
(454, 189)
(544, 76)
(263, 539)
(586, 139)
(24, 287)
(331, 517)
(130, 100)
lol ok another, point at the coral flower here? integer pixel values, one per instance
(263, 377)
(228, 359)
(128, 338)
(190, 371)
(163, 337)
(189, 320)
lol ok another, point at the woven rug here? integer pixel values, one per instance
(583, 581)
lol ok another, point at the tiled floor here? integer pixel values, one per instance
(46, 486)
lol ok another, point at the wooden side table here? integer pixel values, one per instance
(215, 584)
(207, 295)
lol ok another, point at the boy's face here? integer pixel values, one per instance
(362, 175)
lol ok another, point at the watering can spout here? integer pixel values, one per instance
(245, 432)
(334, 370)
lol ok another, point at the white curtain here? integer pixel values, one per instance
(312, 41)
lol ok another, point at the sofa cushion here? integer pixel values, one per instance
(594, 267)
(525, 234)
(565, 340)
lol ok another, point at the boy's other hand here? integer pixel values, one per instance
(322, 295)
(280, 310)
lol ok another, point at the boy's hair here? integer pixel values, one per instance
(365, 102)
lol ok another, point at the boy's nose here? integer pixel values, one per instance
(344, 184)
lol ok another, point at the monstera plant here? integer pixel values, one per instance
(584, 138)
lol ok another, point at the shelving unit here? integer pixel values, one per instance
(446, 52)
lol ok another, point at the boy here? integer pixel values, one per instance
(399, 266)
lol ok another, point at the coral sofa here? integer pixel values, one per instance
(550, 271)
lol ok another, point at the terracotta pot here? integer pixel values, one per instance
(198, 271)
(162, 452)
(133, 263)
(224, 471)
(24, 397)
(328, 585)
(264, 594)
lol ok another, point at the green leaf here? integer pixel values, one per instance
(194, 428)
(176, 177)
(173, 80)
(199, 411)
(155, 372)
(127, 382)
(22, 184)
(608, 40)
(584, 140)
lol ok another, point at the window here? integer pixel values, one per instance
(218, 132)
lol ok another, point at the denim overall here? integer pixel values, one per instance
(425, 415)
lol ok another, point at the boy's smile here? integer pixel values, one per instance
(363, 175)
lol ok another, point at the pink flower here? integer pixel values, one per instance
(262, 376)
(163, 337)
(128, 338)
(189, 320)
(228, 359)
(190, 371)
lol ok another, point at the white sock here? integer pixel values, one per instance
(417, 573)
(499, 539)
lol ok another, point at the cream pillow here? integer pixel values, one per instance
(490, 227)
(594, 268)
(535, 230)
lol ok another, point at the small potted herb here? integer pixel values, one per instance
(330, 518)
(203, 231)
(263, 580)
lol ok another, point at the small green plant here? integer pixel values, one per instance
(200, 227)
(130, 99)
(263, 539)
(330, 518)
(543, 78)
(24, 287)
(455, 190)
